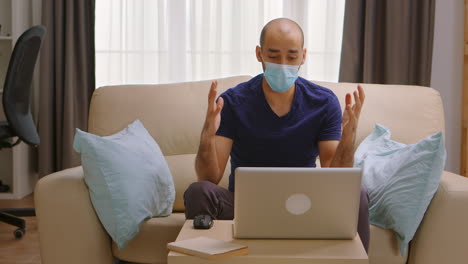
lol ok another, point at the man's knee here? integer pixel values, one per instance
(198, 189)
(199, 198)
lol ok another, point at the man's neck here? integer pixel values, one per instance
(280, 103)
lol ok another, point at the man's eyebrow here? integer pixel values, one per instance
(273, 50)
(293, 51)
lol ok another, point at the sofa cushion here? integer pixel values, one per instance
(383, 248)
(157, 232)
(149, 246)
(183, 172)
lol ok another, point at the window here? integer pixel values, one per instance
(161, 41)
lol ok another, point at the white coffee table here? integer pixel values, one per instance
(269, 251)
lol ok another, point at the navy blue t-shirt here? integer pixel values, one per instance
(263, 139)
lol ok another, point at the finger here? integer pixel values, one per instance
(351, 115)
(357, 105)
(347, 115)
(212, 96)
(362, 95)
(219, 105)
(357, 100)
(348, 100)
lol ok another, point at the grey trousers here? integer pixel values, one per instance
(205, 197)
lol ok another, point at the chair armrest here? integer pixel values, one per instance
(69, 229)
(442, 236)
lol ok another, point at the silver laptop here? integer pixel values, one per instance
(296, 203)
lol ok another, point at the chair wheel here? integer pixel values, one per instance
(19, 233)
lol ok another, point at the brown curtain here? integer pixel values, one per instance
(387, 41)
(67, 80)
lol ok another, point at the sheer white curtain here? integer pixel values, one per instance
(161, 41)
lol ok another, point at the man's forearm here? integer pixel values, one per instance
(344, 155)
(206, 162)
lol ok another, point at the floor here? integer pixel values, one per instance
(26, 249)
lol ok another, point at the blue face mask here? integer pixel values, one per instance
(281, 77)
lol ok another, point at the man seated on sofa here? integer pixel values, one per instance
(276, 119)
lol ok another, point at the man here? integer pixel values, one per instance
(276, 119)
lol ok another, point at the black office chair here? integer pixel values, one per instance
(19, 125)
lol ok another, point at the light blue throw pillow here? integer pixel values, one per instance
(401, 180)
(128, 179)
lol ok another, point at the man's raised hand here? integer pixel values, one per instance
(351, 114)
(213, 113)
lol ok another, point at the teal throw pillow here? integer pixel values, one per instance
(128, 179)
(401, 180)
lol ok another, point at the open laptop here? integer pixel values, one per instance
(296, 203)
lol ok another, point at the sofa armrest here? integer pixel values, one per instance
(69, 229)
(442, 236)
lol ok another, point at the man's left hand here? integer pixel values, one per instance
(351, 115)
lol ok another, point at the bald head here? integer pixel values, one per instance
(282, 26)
(281, 42)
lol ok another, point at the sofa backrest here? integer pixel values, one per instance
(410, 112)
(174, 115)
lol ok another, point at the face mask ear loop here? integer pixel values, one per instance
(263, 60)
(300, 65)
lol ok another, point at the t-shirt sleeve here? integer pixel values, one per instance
(228, 121)
(331, 124)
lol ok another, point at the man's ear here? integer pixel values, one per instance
(258, 52)
(304, 56)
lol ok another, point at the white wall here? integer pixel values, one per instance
(447, 72)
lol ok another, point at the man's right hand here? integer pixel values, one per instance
(214, 150)
(213, 114)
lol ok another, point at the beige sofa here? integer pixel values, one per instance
(70, 231)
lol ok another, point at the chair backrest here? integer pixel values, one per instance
(17, 89)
